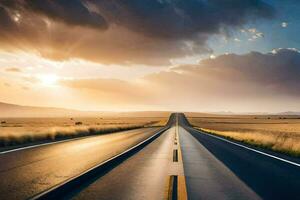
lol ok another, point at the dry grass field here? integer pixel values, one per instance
(278, 133)
(18, 131)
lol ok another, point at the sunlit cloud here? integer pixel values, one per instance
(257, 77)
(252, 33)
(13, 69)
(284, 24)
(212, 56)
(30, 64)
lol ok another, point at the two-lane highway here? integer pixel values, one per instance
(178, 162)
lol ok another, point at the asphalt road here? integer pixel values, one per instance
(193, 164)
(143, 176)
(217, 169)
(27, 172)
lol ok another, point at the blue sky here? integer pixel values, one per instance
(275, 35)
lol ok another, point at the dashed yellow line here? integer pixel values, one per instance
(181, 193)
(169, 189)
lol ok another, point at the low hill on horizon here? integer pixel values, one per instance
(13, 110)
(8, 110)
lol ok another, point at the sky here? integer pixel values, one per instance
(131, 55)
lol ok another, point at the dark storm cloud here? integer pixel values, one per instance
(159, 18)
(122, 31)
(181, 18)
(6, 21)
(275, 72)
(70, 12)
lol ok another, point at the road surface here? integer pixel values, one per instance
(217, 169)
(143, 176)
(181, 163)
(27, 172)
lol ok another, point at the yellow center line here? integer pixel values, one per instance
(179, 178)
(182, 191)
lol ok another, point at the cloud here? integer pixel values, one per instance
(25, 88)
(5, 19)
(73, 12)
(182, 19)
(113, 90)
(272, 73)
(6, 84)
(284, 24)
(230, 82)
(117, 31)
(253, 34)
(13, 69)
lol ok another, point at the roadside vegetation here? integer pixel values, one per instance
(18, 131)
(277, 133)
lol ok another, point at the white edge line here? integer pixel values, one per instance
(248, 148)
(45, 144)
(38, 145)
(161, 131)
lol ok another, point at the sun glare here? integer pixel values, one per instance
(48, 79)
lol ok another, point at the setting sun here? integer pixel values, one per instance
(48, 79)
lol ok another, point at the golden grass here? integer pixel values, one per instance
(160, 123)
(22, 131)
(277, 134)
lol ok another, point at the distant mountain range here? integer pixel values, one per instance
(289, 113)
(12, 110)
(228, 113)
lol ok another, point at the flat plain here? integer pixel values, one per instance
(274, 132)
(19, 131)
